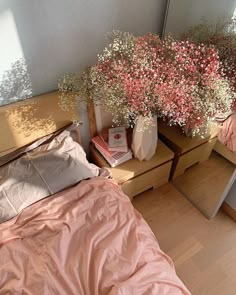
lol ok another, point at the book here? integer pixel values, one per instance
(112, 157)
(101, 145)
(106, 137)
(117, 139)
(116, 160)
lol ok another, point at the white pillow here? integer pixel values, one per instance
(44, 171)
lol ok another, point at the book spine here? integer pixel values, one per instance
(110, 160)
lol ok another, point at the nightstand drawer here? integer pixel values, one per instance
(151, 179)
(194, 156)
(188, 151)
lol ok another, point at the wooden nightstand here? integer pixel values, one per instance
(136, 177)
(188, 151)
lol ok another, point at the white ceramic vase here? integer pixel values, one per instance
(144, 141)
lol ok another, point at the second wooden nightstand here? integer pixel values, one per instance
(136, 177)
(188, 151)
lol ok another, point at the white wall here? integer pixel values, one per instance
(63, 36)
(184, 13)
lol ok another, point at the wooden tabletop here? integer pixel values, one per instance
(134, 167)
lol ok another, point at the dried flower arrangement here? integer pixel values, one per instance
(147, 76)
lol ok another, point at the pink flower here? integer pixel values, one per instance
(164, 77)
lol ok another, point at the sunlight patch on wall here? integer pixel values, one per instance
(11, 49)
(15, 83)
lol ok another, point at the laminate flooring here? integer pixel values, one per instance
(203, 251)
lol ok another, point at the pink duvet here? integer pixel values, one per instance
(227, 135)
(85, 240)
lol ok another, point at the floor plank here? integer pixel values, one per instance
(204, 251)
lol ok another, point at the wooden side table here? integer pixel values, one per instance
(136, 177)
(188, 151)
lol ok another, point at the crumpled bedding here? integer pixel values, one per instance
(227, 134)
(85, 240)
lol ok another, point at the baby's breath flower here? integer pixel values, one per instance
(177, 80)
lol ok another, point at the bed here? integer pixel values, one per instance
(67, 228)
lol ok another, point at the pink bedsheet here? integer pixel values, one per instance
(227, 135)
(85, 240)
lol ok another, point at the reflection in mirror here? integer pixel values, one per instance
(211, 22)
(182, 14)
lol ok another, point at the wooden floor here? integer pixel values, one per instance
(203, 251)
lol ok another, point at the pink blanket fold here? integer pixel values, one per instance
(85, 240)
(227, 135)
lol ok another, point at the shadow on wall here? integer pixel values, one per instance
(15, 84)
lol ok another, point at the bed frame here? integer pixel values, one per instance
(23, 122)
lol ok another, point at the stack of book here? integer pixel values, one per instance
(112, 145)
